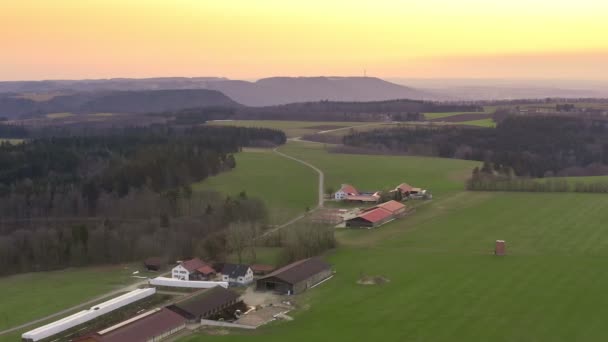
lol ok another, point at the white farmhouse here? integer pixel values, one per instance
(193, 269)
(346, 190)
(236, 274)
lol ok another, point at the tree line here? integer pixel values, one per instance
(121, 195)
(491, 177)
(532, 146)
(142, 225)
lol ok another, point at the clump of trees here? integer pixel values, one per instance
(305, 240)
(147, 225)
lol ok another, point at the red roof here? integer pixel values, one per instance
(376, 215)
(205, 270)
(404, 187)
(349, 189)
(193, 264)
(392, 206)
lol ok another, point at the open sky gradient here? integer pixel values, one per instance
(46, 39)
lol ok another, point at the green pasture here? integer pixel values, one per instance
(446, 284)
(286, 186)
(31, 296)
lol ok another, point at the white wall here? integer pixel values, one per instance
(179, 272)
(172, 282)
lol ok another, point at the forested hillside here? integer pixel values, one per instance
(531, 146)
(148, 101)
(118, 196)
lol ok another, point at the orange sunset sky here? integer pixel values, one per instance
(50, 39)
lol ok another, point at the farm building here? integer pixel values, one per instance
(206, 304)
(370, 219)
(394, 207)
(150, 326)
(404, 188)
(153, 264)
(296, 277)
(192, 284)
(407, 190)
(84, 316)
(236, 274)
(346, 190)
(193, 269)
(261, 269)
(364, 198)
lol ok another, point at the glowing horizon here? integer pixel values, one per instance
(61, 39)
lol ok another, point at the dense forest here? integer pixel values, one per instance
(12, 131)
(126, 187)
(535, 146)
(395, 110)
(492, 177)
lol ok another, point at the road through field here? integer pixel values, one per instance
(321, 190)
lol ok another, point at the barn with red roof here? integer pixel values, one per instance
(370, 219)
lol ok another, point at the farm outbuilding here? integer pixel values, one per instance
(296, 277)
(370, 219)
(153, 325)
(206, 304)
(153, 264)
(84, 316)
(394, 207)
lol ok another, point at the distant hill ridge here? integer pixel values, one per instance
(147, 101)
(264, 92)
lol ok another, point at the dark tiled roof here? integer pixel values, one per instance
(299, 270)
(208, 300)
(145, 328)
(234, 270)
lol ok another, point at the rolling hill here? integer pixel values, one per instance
(147, 101)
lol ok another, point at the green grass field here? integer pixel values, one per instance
(286, 186)
(368, 172)
(291, 128)
(59, 115)
(445, 283)
(480, 123)
(12, 141)
(30, 296)
(432, 116)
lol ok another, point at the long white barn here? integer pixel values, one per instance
(86, 315)
(198, 284)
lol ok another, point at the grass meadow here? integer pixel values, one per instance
(291, 128)
(432, 116)
(30, 296)
(287, 187)
(445, 283)
(373, 172)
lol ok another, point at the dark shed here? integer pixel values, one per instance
(296, 277)
(206, 304)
